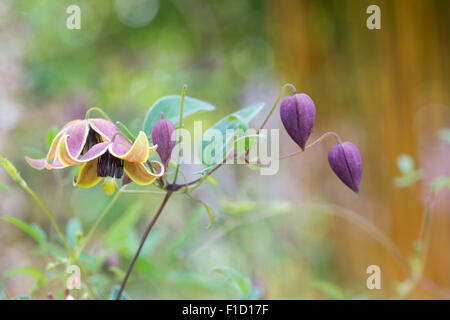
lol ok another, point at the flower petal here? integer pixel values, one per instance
(87, 177)
(64, 155)
(95, 151)
(45, 162)
(139, 173)
(56, 164)
(36, 163)
(138, 152)
(107, 130)
(76, 139)
(54, 145)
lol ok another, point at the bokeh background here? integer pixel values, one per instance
(294, 235)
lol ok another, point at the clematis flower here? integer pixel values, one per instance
(102, 153)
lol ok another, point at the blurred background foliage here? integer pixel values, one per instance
(275, 236)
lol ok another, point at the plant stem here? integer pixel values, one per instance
(183, 93)
(97, 223)
(61, 235)
(52, 220)
(144, 237)
(283, 89)
(175, 187)
(127, 131)
(99, 110)
(84, 279)
(326, 134)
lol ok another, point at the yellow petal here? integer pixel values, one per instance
(138, 152)
(87, 177)
(140, 174)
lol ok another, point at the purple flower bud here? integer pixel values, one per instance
(345, 160)
(298, 114)
(161, 135)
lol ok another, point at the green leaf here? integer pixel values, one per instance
(210, 213)
(248, 141)
(237, 123)
(74, 231)
(207, 208)
(33, 230)
(237, 280)
(51, 134)
(115, 292)
(37, 274)
(170, 105)
(211, 179)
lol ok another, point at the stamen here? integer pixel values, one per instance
(109, 166)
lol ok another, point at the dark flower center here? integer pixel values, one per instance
(109, 166)
(92, 139)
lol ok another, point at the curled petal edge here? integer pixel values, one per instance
(139, 173)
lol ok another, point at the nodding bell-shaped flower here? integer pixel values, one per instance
(162, 136)
(345, 160)
(98, 146)
(298, 115)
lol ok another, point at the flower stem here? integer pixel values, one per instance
(127, 131)
(144, 237)
(283, 89)
(326, 134)
(73, 258)
(50, 217)
(183, 93)
(99, 110)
